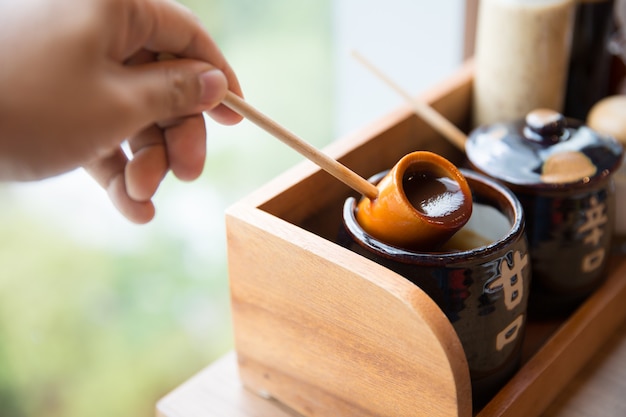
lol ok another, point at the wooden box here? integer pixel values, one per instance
(329, 333)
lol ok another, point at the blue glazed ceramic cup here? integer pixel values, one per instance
(480, 279)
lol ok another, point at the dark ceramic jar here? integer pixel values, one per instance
(561, 171)
(480, 280)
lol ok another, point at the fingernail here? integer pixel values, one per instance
(214, 86)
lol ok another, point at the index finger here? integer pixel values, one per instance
(167, 26)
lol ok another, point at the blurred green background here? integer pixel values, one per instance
(99, 317)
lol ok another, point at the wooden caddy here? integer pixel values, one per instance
(329, 333)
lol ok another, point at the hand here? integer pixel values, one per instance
(80, 77)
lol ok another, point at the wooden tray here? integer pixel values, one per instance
(328, 332)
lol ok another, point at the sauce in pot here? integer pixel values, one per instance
(434, 196)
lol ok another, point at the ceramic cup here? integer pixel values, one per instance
(480, 279)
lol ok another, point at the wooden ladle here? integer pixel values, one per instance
(386, 212)
(428, 199)
(328, 164)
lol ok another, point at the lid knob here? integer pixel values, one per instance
(545, 126)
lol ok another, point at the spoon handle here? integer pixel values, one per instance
(330, 165)
(436, 120)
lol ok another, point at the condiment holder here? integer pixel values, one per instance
(326, 331)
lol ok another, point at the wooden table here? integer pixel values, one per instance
(599, 390)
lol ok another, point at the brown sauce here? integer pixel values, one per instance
(434, 196)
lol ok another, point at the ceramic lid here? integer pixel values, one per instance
(545, 150)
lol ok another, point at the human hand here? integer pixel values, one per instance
(80, 77)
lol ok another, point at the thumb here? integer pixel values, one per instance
(176, 88)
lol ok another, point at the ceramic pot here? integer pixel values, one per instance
(561, 171)
(480, 279)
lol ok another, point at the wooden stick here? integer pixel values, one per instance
(423, 110)
(336, 169)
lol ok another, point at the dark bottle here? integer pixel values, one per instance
(590, 61)
(617, 46)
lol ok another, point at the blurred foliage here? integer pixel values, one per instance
(106, 329)
(91, 333)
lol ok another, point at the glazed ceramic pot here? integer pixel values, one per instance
(480, 278)
(561, 171)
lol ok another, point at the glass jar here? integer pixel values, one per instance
(521, 56)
